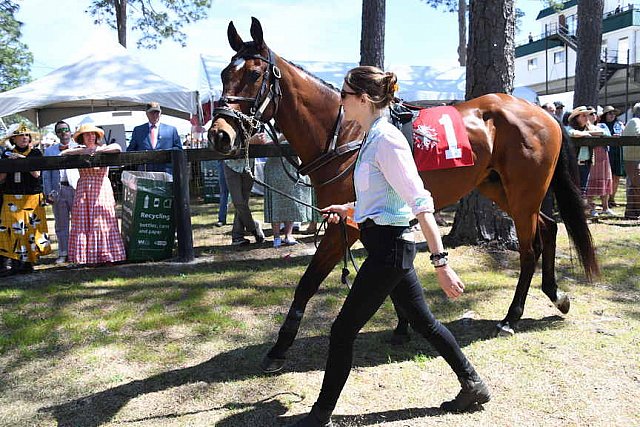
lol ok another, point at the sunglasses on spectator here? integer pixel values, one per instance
(345, 93)
(60, 130)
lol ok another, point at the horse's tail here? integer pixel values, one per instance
(565, 184)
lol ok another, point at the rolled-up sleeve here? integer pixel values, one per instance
(396, 162)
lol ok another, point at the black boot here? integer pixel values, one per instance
(474, 392)
(23, 267)
(316, 418)
(7, 266)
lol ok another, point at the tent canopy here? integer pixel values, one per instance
(438, 84)
(430, 85)
(109, 80)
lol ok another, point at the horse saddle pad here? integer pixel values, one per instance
(440, 140)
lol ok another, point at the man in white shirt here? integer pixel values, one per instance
(59, 189)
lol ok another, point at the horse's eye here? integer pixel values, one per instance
(253, 75)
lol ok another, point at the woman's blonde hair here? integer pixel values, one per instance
(379, 86)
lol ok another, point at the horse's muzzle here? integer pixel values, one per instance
(222, 137)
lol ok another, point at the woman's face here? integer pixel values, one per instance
(610, 117)
(21, 140)
(583, 119)
(89, 139)
(351, 102)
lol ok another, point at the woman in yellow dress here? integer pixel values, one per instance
(23, 223)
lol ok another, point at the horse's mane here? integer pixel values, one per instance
(327, 84)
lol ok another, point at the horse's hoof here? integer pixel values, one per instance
(272, 365)
(504, 330)
(399, 339)
(563, 303)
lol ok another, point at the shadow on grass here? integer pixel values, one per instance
(307, 354)
(271, 413)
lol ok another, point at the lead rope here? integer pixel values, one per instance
(348, 255)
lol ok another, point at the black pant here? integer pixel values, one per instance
(388, 270)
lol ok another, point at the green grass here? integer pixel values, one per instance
(118, 345)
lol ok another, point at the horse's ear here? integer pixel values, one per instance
(235, 41)
(256, 32)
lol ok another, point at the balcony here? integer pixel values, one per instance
(555, 36)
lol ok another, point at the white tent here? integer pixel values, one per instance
(417, 83)
(442, 84)
(109, 80)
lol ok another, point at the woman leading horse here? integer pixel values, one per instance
(519, 151)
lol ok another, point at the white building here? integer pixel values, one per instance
(546, 61)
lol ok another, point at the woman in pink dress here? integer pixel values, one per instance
(95, 237)
(600, 181)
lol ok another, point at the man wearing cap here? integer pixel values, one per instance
(155, 136)
(559, 110)
(59, 189)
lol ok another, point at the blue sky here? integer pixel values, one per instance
(60, 32)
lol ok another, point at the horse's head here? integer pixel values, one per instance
(250, 92)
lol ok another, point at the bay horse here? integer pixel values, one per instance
(519, 151)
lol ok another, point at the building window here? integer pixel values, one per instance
(532, 64)
(558, 57)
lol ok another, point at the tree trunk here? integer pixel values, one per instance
(121, 21)
(589, 34)
(462, 32)
(479, 221)
(490, 68)
(491, 51)
(372, 36)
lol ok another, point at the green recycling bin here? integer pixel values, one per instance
(148, 228)
(210, 181)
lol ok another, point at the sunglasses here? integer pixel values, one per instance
(60, 130)
(345, 93)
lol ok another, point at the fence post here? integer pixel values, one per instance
(182, 205)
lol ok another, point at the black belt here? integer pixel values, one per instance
(65, 183)
(370, 223)
(366, 224)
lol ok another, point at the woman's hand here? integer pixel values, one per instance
(258, 139)
(335, 213)
(449, 281)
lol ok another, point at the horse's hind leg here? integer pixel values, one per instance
(525, 218)
(548, 230)
(328, 254)
(525, 229)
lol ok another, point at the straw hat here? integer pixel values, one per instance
(610, 108)
(18, 129)
(88, 128)
(580, 110)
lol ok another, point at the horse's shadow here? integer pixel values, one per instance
(242, 363)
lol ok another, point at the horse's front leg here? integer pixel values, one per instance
(329, 253)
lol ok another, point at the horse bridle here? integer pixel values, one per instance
(269, 92)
